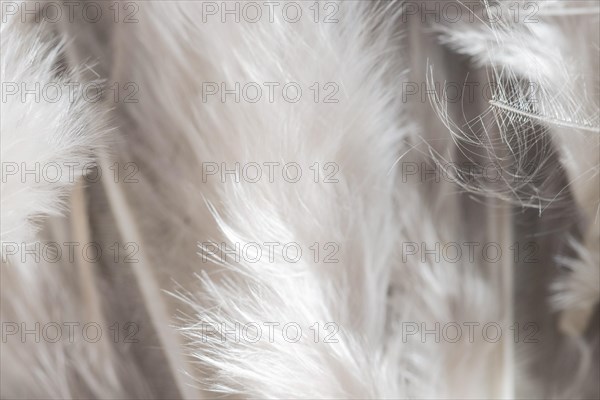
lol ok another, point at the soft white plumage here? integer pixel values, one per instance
(210, 324)
(49, 134)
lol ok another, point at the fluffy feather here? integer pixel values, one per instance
(48, 143)
(47, 140)
(305, 292)
(546, 77)
(357, 306)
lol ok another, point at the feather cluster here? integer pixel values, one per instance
(206, 199)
